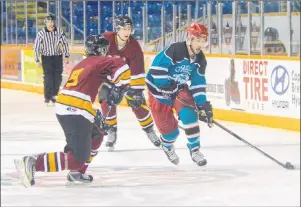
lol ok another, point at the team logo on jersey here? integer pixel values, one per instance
(183, 69)
(71, 109)
(180, 78)
(184, 72)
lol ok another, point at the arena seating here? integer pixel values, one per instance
(154, 16)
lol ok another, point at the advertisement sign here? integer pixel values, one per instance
(11, 64)
(295, 87)
(270, 87)
(32, 74)
(234, 87)
(280, 82)
(255, 80)
(284, 88)
(215, 82)
(223, 84)
(266, 87)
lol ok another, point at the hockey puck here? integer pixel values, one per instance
(289, 165)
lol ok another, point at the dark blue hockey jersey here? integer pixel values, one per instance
(174, 63)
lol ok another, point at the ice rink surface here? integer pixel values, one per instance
(138, 174)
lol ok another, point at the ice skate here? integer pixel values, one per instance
(153, 137)
(197, 157)
(112, 137)
(171, 154)
(77, 177)
(27, 168)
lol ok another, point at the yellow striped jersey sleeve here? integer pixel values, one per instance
(122, 76)
(138, 81)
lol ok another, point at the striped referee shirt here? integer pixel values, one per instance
(50, 43)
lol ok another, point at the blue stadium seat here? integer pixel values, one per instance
(154, 16)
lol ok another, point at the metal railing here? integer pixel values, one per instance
(252, 27)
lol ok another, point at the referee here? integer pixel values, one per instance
(49, 43)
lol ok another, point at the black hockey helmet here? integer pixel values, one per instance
(96, 45)
(123, 21)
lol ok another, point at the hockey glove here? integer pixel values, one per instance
(170, 92)
(135, 98)
(100, 122)
(205, 113)
(112, 94)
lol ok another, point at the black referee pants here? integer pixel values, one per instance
(53, 69)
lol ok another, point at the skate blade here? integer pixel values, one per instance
(111, 149)
(19, 164)
(175, 162)
(77, 184)
(50, 104)
(202, 165)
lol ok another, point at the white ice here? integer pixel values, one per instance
(138, 174)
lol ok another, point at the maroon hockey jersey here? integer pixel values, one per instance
(80, 90)
(133, 55)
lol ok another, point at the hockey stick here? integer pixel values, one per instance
(103, 120)
(287, 165)
(144, 106)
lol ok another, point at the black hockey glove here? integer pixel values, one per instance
(111, 93)
(135, 98)
(205, 113)
(170, 92)
(100, 122)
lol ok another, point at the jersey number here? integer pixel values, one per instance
(73, 78)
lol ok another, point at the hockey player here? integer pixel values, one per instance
(123, 45)
(167, 82)
(76, 115)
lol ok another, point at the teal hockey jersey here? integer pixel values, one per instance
(174, 63)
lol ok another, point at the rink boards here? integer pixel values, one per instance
(260, 90)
